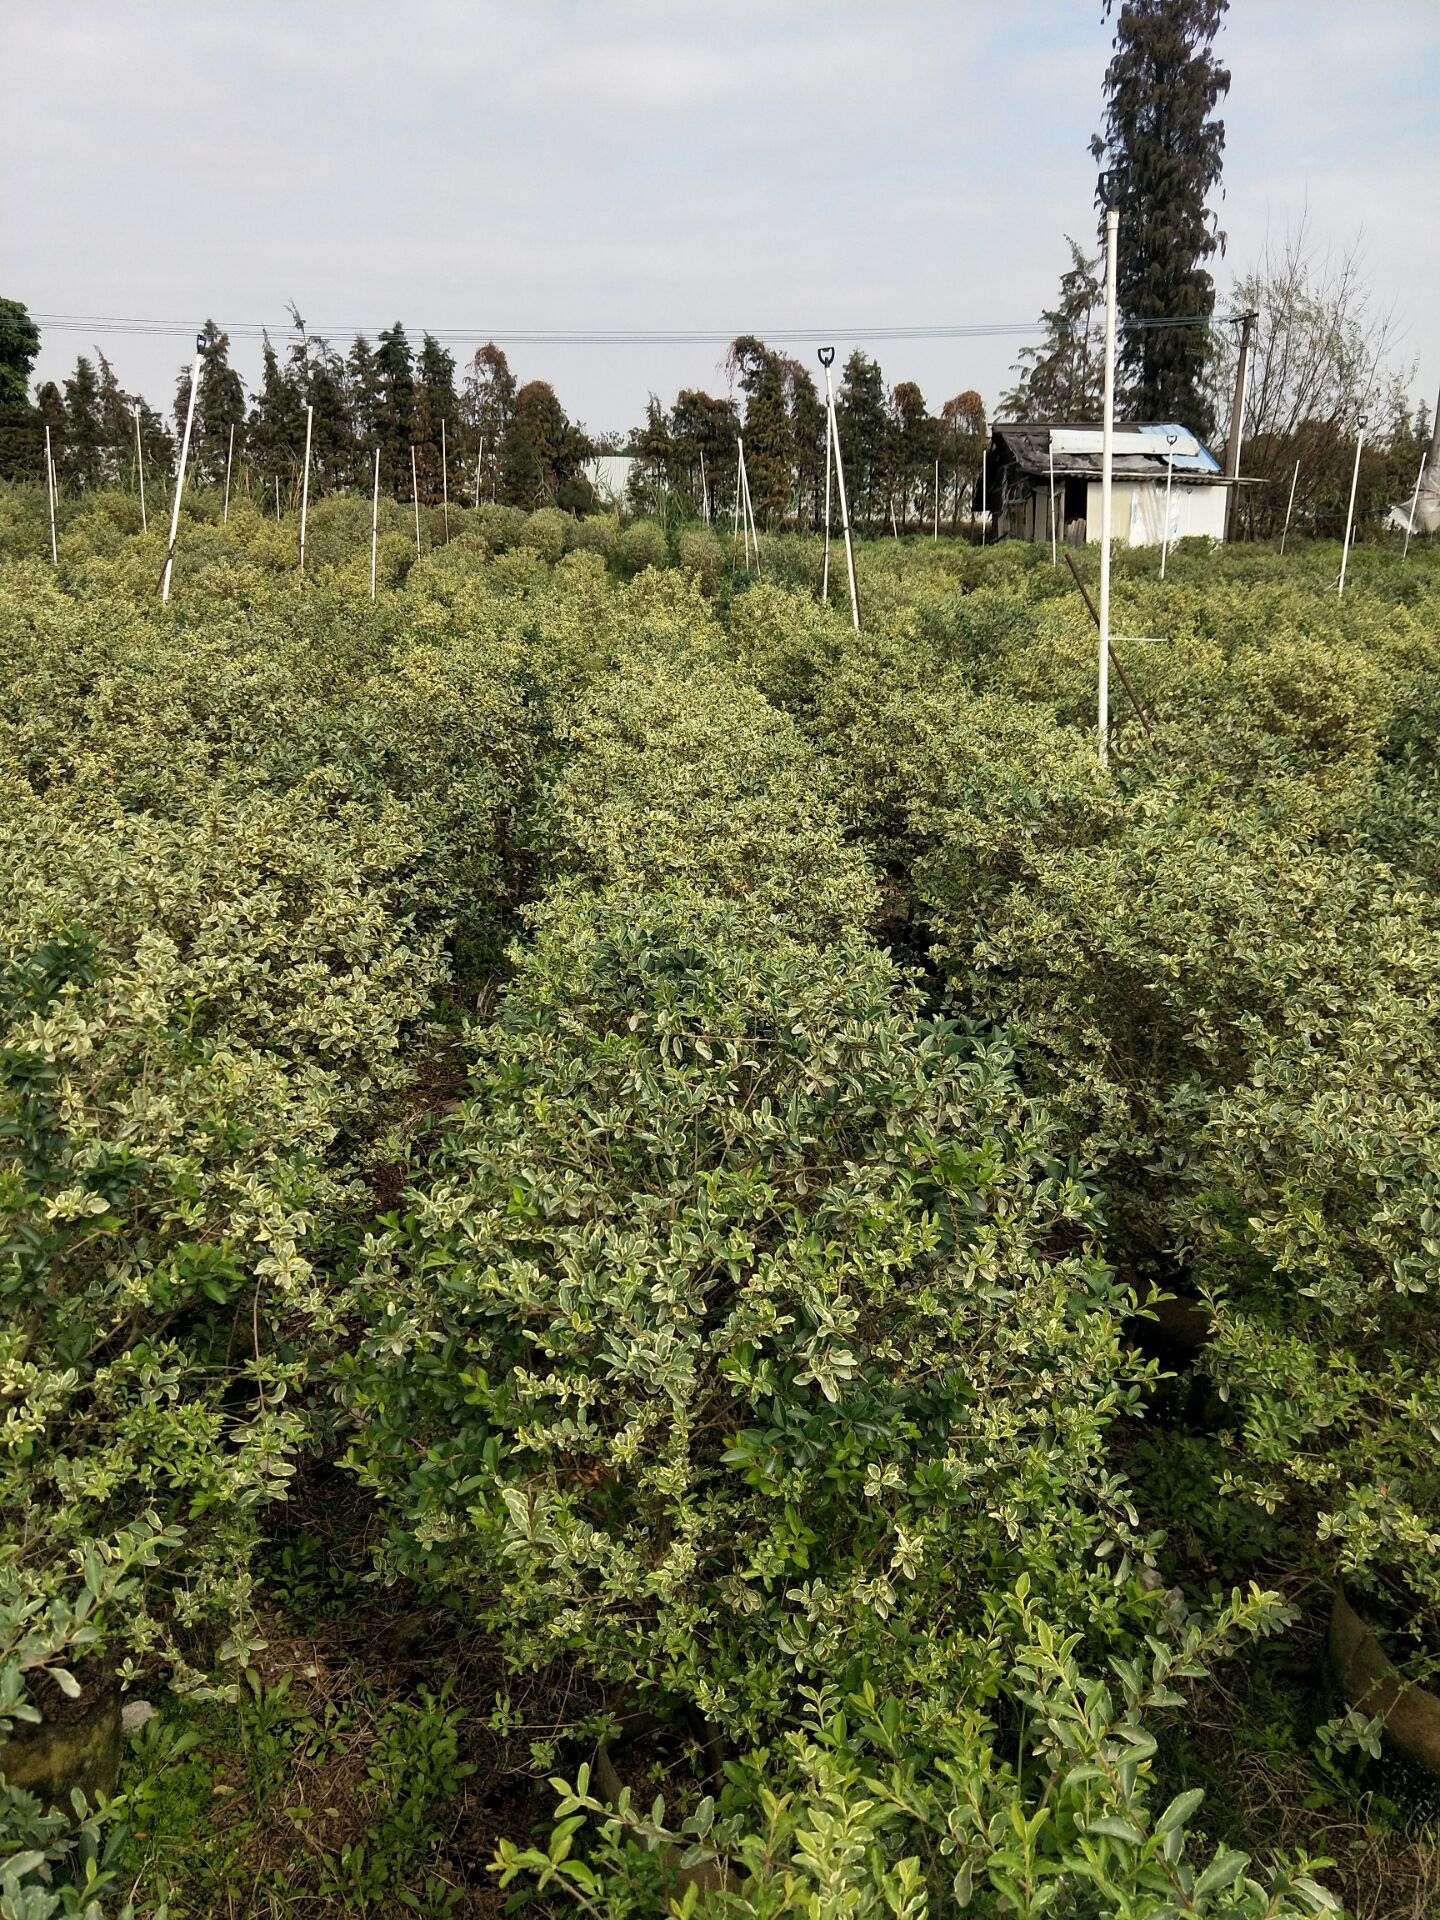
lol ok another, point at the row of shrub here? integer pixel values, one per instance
(754, 1342)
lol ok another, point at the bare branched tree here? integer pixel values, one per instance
(1323, 354)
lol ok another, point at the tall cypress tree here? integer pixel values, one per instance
(219, 405)
(436, 401)
(488, 406)
(865, 435)
(50, 406)
(807, 433)
(276, 430)
(84, 435)
(769, 446)
(362, 396)
(1162, 149)
(395, 409)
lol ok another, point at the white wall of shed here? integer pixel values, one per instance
(1139, 512)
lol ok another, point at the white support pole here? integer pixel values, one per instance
(704, 491)
(445, 482)
(1107, 479)
(277, 496)
(50, 496)
(1414, 505)
(742, 497)
(305, 484)
(844, 502)
(229, 466)
(1284, 531)
(479, 456)
(415, 494)
(374, 522)
(1169, 476)
(735, 516)
(984, 499)
(180, 476)
(1350, 515)
(1054, 541)
(140, 471)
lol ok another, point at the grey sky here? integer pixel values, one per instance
(655, 164)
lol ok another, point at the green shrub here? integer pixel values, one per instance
(700, 551)
(640, 545)
(683, 775)
(694, 1355)
(549, 532)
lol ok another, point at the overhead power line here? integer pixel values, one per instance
(579, 337)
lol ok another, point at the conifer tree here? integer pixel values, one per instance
(865, 435)
(807, 437)
(275, 432)
(488, 406)
(50, 408)
(703, 432)
(1062, 378)
(395, 409)
(435, 401)
(219, 405)
(543, 454)
(84, 438)
(914, 451)
(332, 428)
(769, 446)
(362, 399)
(1162, 149)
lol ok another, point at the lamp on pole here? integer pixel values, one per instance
(1169, 475)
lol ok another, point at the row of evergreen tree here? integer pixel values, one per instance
(384, 396)
(514, 443)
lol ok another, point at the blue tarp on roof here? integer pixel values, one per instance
(1202, 462)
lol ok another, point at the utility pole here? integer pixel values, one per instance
(1237, 418)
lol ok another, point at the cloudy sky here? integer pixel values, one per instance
(765, 166)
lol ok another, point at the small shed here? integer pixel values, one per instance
(1025, 457)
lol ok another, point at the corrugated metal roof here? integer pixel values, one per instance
(1028, 444)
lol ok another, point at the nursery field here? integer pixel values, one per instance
(662, 1257)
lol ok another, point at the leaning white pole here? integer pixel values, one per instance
(140, 471)
(445, 482)
(479, 456)
(1284, 531)
(844, 509)
(1350, 515)
(180, 478)
(305, 484)
(374, 522)
(50, 496)
(415, 493)
(1107, 476)
(744, 498)
(229, 466)
(1054, 546)
(1414, 505)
